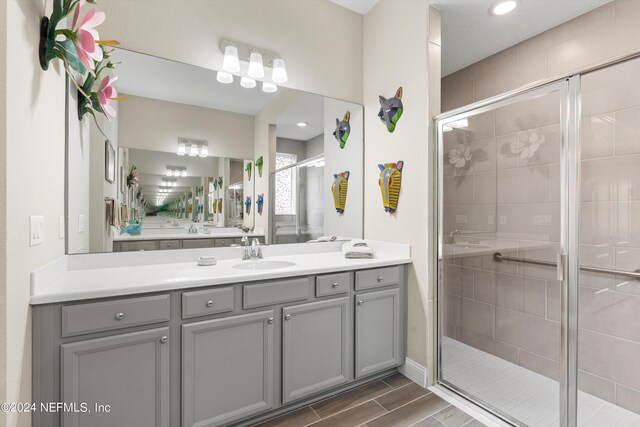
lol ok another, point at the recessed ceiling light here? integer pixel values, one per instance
(302, 124)
(502, 7)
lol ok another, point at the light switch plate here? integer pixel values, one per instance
(80, 223)
(36, 230)
(61, 228)
(503, 220)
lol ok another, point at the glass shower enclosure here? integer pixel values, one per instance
(539, 251)
(297, 213)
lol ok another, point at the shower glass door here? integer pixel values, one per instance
(503, 244)
(609, 293)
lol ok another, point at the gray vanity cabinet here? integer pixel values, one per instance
(378, 331)
(227, 369)
(315, 347)
(129, 372)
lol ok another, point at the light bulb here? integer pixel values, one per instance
(169, 172)
(269, 87)
(279, 71)
(184, 173)
(204, 151)
(230, 62)
(223, 77)
(182, 149)
(194, 150)
(247, 83)
(256, 69)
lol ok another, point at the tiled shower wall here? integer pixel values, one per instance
(512, 310)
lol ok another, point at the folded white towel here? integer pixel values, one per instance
(326, 238)
(358, 249)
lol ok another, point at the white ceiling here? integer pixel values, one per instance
(158, 78)
(310, 109)
(360, 6)
(470, 33)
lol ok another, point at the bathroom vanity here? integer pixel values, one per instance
(170, 344)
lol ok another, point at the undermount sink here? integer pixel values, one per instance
(263, 265)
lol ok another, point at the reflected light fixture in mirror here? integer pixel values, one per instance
(224, 78)
(182, 149)
(256, 68)
(231, 62)
(279, 74)
(247, 83)
(176, 171)
(194, 151)
(502, 7)
(269, 87)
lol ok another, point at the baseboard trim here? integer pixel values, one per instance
(414, 371)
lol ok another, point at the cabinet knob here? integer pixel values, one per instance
(287, 317)
(119, 316)
(360, 302)
(380, 278)
(164, 339)
(209, 304)
(270, 320)
(334, 285)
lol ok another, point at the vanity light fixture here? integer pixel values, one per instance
(231, 62)
(502, 7)
(247, 83)
(269, 87)
(177, 171)
(193, 147)
(224, 78)
(194, 151)
(169, 182)
(279, 74)
(302, 124)
(256, 67)
(204, 151)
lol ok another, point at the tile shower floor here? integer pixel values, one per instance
(521, 393)
(393, 401)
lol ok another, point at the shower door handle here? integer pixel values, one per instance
(561, 269)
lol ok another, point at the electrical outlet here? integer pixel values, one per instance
(80, 223)
(36, 230)
(61, 228)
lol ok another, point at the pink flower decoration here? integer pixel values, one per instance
(86, 35)
(106, 93)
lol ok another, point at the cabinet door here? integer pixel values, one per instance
(315, 347)
(377, 331)
(227, 369)
(128, 372)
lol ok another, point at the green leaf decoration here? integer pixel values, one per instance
(69, 51)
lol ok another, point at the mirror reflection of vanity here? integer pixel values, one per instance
(190, 162)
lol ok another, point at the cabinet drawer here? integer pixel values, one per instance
(211, 301)
(170, 244)
(377, 278)
(101, 316)
(275, 292)
(223, 243)
(197, 243)
(332, 284)
(144, 245)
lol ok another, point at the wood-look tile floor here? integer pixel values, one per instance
(393, 401)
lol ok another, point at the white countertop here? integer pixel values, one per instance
(78, 277)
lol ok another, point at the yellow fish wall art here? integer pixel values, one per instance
(339, 190)
(390, 181)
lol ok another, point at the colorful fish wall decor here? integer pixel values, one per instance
(259, 163)
(391, 110)
(248, 169)
(219, 205)
(343, 129)
(390, 181)
(247, 205)
(339, 190)
(260, 203)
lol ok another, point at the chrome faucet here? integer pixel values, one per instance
(253, 250)
(451, 238)
(193, 229)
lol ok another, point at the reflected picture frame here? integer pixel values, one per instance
(109, 162)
